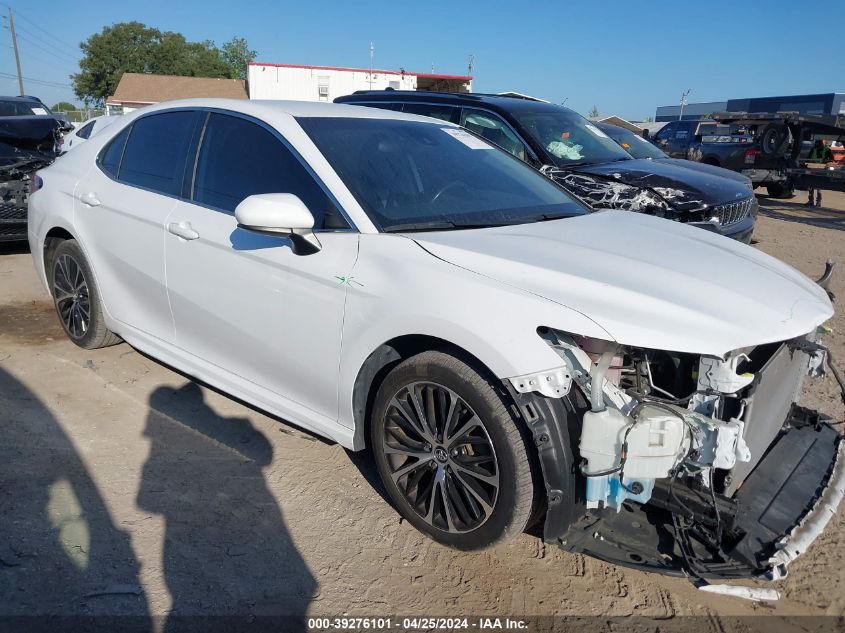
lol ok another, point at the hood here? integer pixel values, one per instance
(648, 282)
(649, 186)
(704, 168)
(36, 133)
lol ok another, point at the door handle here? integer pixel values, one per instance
(183, 230)
(90, 198)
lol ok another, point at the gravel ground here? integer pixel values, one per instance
(125, 488)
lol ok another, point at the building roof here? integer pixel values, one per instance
(375, 71)
(619, 122)
(141, 88)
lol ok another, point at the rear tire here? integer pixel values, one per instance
(779, 190)
(450, 454)
(77, 298)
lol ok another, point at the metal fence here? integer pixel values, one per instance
(79, 116)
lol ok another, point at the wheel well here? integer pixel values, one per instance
(711, 161)
(55, 236)
(382, 360)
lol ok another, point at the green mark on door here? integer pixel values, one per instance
(348, 280)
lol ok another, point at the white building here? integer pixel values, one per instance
(324, 83)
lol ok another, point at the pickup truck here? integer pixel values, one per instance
(755, 150)
(30, 139)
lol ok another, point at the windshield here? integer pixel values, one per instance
(635, 145)
(410, 175)
(22, 108)
(569, 138)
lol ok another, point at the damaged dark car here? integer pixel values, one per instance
(584, 160)
(30, 139)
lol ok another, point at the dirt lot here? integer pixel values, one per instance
(127, 489)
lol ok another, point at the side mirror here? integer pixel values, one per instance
(281, 214)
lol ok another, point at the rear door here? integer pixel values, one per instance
(245, 302)
(121, 208)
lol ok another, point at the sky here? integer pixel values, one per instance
(624, 57)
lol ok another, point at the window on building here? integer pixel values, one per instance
(323, 88)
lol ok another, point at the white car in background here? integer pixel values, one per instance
(397, 283)
(86, 130)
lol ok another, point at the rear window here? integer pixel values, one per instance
(154, 157)
(110, 158)
(23, 108)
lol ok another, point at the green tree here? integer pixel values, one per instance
(135, 47)
(594, 112)
(237, 54)
(64, 106)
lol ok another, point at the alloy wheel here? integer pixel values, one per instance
(70, 290)
(440, 457)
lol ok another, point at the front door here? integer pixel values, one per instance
(245, 302)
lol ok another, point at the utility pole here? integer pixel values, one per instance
(15, 47)
(471, 65)
(683, 103)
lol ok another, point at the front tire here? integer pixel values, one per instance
(450, 454)
(77, 298)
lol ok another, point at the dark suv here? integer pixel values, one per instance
(583, 159)
(30, 138)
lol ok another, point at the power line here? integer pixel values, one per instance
(30, 56)
(29, 33)
(61, 57)
(42, 82)
(40, 28)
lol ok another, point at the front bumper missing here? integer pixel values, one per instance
(811, 526)
(780, 509)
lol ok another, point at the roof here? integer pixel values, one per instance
(618, 121)
(145, 89)
(25, 98)
(502, 103)
(270, 109)
(519, 95)
(365, 70)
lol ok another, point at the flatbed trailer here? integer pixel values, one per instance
(796, 171)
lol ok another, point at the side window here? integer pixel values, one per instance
(239, 158)
(86, 130)
(110, 156)
(664, 133)
(383, 105)
(494, 130)
(433, 110)
(155, 153)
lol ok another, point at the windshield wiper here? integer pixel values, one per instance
(420, 226)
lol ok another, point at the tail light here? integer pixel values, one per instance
(35, 183)
(751, 156)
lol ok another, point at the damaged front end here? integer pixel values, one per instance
(683, 463)
(27, 144)
(675, 203)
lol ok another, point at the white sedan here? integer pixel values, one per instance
(397, 283)
(86, 130)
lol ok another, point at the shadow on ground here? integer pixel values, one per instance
(60, 551)
(228, 559)
(226, 549)
(796, 211)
